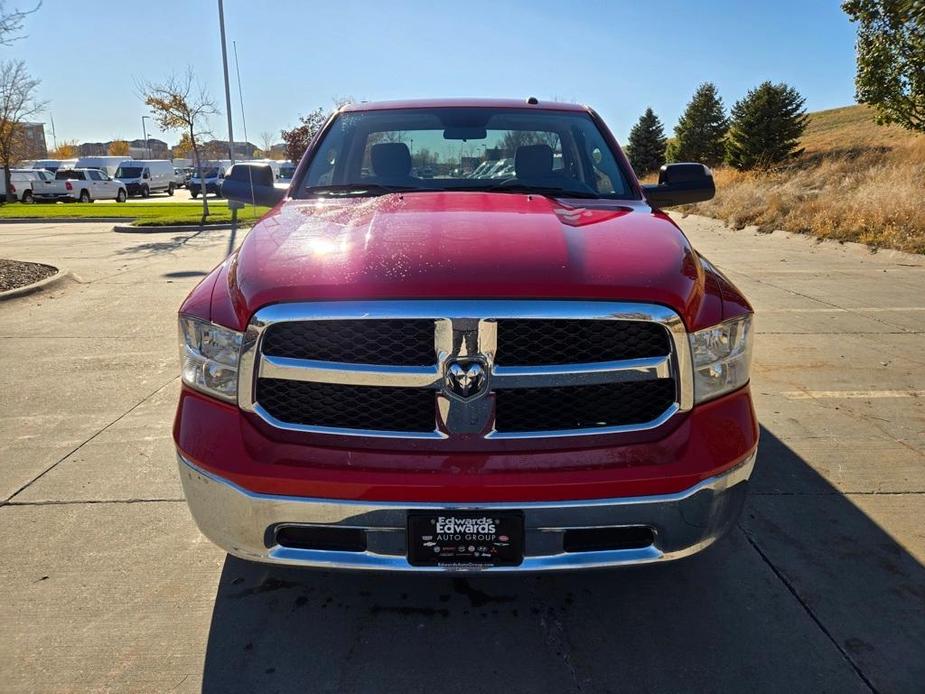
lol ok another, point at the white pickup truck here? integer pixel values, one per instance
(81, 185)
(23, 183)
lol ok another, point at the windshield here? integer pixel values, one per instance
(559, 153)
(208, 172)
(128, 172)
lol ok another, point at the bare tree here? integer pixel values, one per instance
(266, 143)
(18, 103)
(183, 105)
(11, 22)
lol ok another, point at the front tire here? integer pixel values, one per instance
(145, 192)
(27, 197)
(194, 194)
(121, 195)
(170, 189)
(84, 196)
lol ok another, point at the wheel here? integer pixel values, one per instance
(84, 196)
(27, 196)
(120, 196)
(170, 189)
(194, 194)
(145, 191)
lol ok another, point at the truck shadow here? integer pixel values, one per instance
(807, 594)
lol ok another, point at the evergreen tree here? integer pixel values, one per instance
(766, 127)
(701, 130)
(646, 145)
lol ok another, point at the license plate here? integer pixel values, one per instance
(464, 539)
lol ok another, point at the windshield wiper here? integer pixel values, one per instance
(358, 189)
(549, 191)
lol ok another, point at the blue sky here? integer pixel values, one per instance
(619, 56)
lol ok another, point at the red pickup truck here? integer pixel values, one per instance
(519, 366)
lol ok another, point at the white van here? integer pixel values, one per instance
(213, 173)
(47, 164)
(286, 171)
(107, 164)
(145, 176)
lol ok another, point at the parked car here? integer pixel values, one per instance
(109, 165)
(82, 185)
(286, 171)
(455, 374)
(213, 173)
(24, 182)
(145, 176)
(180, 176)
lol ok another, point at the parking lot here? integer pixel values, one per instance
(105, 582)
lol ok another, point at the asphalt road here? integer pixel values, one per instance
(105, 582)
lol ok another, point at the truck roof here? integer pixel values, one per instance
(471, 103)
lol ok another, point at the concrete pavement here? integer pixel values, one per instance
(105, 583)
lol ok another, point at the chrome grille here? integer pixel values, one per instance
(582, 407)
(356, 407)
(403, 342)
(530, 342)
(435, 369)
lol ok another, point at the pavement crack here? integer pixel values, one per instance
(83, 502)
(86, 441)
(806, 608)
(826, 303)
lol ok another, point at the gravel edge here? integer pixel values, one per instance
(46, 283)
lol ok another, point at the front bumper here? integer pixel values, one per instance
(242, 522)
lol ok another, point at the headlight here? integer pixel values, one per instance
(209, 358)
(722, 356)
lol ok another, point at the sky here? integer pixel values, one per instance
(618, 56)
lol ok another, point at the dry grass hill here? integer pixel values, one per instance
(856, 181)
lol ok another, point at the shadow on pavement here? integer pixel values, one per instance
(806, 596)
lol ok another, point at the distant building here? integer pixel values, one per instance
(242, 150)
(153, 149)
(93, 149)
(279, 150)
(33, 141)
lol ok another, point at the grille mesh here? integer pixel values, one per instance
(407, 342)
(579, 407)
(351, 407)
(534, 341)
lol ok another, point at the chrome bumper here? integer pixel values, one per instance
(241, 523)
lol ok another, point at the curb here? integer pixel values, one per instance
(132, 229)
(63, 220)
(46, 283)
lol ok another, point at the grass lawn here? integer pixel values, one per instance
(144, 213)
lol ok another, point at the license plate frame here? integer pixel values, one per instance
(468, 539)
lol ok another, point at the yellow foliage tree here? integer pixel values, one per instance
(67, 149)
(184, 148)
(118, 148)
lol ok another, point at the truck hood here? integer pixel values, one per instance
(463, 245)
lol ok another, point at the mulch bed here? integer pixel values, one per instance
(15, 273)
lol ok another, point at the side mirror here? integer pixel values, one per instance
(680, 184)
(252, 183)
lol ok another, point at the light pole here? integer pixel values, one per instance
(221, 25)
(145, 133)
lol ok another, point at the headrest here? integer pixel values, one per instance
(533, 161)
(391, 159)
